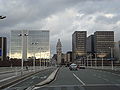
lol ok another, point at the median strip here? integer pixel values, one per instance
(47, 81)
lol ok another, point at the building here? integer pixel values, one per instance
(3, 48)
(104, 42)
(59, 52)
(29, 43)
(90, 44)
(79, 44)
(64, 59)
(69, 57)
(54, 59)
(117, 50)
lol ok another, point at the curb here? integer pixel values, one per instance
(47, 81)
(18, 79)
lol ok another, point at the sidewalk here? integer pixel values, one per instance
(116, 70)
(18, 77)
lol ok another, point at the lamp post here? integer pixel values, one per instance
(44, 58)
(111, 50)
(23, 49)
(91, 59)
(102, 62)
(95, 60)
(87, 61)
(102, 59)
(40, 55)
(34, 43)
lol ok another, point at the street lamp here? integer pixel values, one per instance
(40, 55)
(102, 62)
(91, 59)
(101, 52)
(44, 62)
(34, 43)
(87, 60)
(23, 45)
(96, 60)
(111, 49)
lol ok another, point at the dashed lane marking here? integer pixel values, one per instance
(78, 79)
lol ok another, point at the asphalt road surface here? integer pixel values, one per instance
(83, 79)
(32, 80)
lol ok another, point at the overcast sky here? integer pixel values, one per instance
(61, 17)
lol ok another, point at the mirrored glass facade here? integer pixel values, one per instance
(32, 42)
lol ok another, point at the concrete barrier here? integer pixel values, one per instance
(47, 81)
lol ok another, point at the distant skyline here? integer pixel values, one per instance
(61, 17)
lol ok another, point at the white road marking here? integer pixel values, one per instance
(116, 74)
(7, 78)
(79, 79)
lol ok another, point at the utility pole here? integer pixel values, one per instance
(102, 62)
(112, 58)
(23, 50)
(95, 60)
(35, 43)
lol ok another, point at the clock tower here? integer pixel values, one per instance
(59, 51)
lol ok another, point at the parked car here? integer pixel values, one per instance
(73, 66)
(80, 67)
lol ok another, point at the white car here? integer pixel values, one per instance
(73, 66)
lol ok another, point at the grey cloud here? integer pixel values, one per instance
(25, 11)
(33, 14)
(106, 20)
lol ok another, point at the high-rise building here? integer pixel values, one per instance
(59, 51)
(104, 42)
(30, 43)
(90, 44)
(69, 56)
(3, 48)
(79, 44)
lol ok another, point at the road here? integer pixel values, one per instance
(7, 73)
(32, 80)
(83, 79)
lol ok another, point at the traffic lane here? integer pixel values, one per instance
(89, 77)
(98, 80)
(75, 87)
(7, 76)
(65, 80)
(65, 77)
(88, 80)
(3, 76)
(101, 87)
(32, 80)
(95, 77)
(109, 76)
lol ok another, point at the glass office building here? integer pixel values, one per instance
(30, 43)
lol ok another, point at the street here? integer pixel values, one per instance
(7, 74)
(83, 79)
(32, 80)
